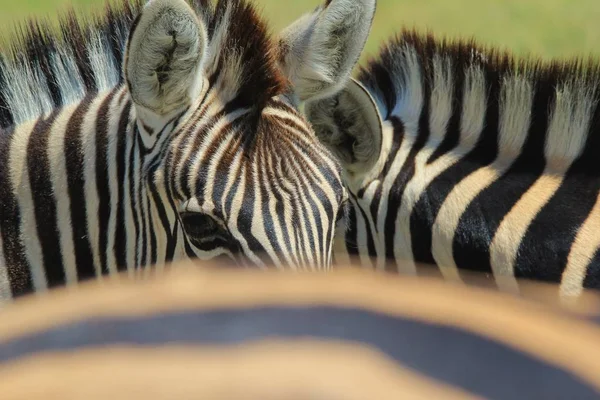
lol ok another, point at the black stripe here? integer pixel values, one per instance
(197, 134)
(44, 201)
(280, 214)
(102, 178)
(548, 240)
(426, 209)
(206, 162)
(351, 236)
(397, 139)
(174, 238)
(406, 174)
(75, 38)
(303, 213)
(378, 76)
(448, 354)
(121, 243)
(223, 174)
(6, 117)
(479, 223)
(452, 136)
(134, 181)
(19, 273)
(368, 232)
(244, 220)
(143, 207)
(40, 50)
(153, 239)
(266, 190)
(592, 277)
(74, 160)
(145, 215)
(160, 206)
(233, 191)
(315, 184)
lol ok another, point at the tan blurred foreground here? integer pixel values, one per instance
(212, 333)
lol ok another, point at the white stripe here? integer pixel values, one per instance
(128, 212)
(287, 212)
(516, 101)
(218, 146)
(269, 170)
(19, 176)
(585, 247)
(65, 70)
(440, 113)
(106, 73)
(115, 111)
(408, 84)
(236, 205)
(88, 146)
(378, 238)
(565, 140)
(258, 229)
(27, 92)
(340, 249)
(5, 291)
(208, 143)
(58, 176)
(361, 237)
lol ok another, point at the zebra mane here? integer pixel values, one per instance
(405, 68)
(43, 68)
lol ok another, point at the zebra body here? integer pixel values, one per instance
(276, 335)
(136, 141)
(462, 157)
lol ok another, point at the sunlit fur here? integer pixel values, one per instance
(487, 163)
(93, 181)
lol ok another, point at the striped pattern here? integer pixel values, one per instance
(351, 335)
(92, 183)
(487, 163)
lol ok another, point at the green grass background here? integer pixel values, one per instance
(546, 28)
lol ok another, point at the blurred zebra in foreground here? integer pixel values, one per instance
(463, 157)
(168, 131)
(221, 334)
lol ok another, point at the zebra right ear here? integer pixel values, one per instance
(163, 58)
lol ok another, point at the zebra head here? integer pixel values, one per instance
(216, 107)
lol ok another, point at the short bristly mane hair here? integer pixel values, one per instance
(384, 73)
(43, 68)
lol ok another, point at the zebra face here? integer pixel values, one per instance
(216, 106)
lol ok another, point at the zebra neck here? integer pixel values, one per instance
(77, 203)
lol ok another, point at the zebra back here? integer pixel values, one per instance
(216, 333)
(469, 158)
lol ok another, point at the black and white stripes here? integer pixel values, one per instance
(183, 140)
(482, 162)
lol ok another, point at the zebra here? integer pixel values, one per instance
(464, 157)
(267, 335)
(168, 131)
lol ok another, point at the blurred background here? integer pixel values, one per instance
(548, 28)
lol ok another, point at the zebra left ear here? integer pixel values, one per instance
(163, 58)
(350, 125)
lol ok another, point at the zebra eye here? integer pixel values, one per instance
(202, 229)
